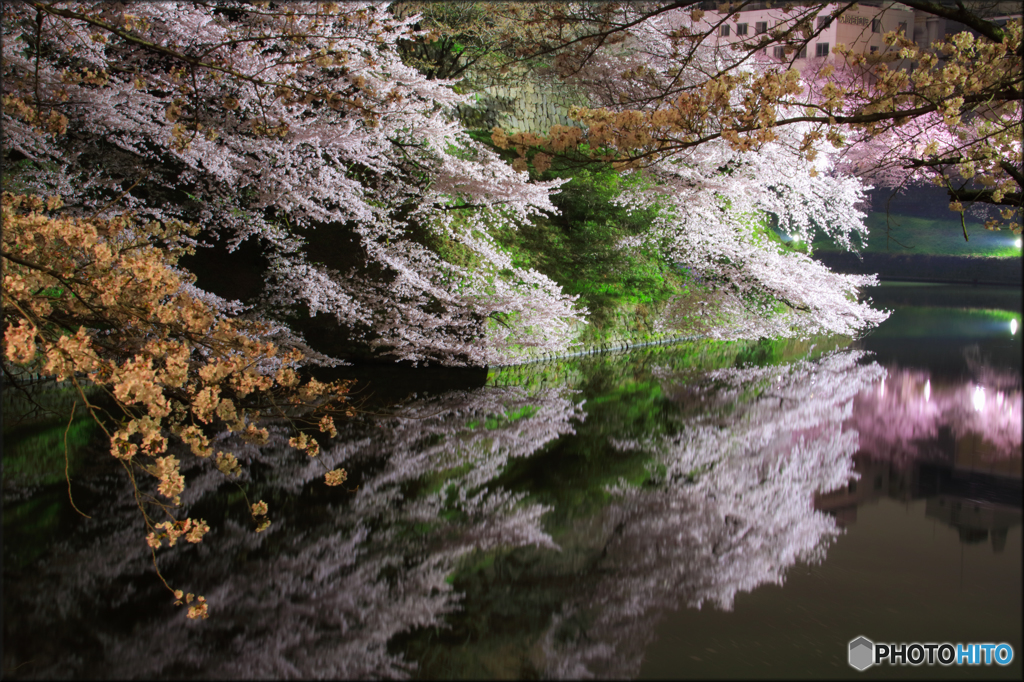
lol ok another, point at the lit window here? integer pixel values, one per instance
(724, 30)
(821, 50)
(741, 29)
(876, 25)
(761, 27)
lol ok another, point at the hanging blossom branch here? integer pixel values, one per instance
(670, 87)
(93, 301)
(719, 191)
(273, 120)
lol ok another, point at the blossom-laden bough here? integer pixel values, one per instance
(945, 111)
(98, 301)
(719, 192)
(281, 124)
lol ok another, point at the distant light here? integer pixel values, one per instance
(928, 390)
(1013, 326)
(979, 398)
(1016, 242)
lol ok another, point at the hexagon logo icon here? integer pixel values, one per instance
(862, 653)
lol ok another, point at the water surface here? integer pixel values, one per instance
(724, 510)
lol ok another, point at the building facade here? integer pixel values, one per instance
(861, 29)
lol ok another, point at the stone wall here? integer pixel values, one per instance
(40, 400)
(933, 268)
(523, 102)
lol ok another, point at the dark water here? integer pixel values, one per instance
(732, 510)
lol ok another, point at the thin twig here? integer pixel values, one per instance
(122, 195)
(67, 476)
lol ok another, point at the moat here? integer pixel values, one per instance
(722, 510)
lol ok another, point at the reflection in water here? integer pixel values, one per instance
(734, 512)
(741, 463)
(956, 443)
(322, 591)
(901, 419)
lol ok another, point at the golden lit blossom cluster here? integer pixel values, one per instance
(336, 477)
(197, 610)
(193, 531)
(259, 513)
(98, 301)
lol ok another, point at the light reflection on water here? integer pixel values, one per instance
(902, 416)
(553, 523)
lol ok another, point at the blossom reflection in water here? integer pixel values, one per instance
(736, 461)
(902, 422)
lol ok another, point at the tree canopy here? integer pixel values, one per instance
(948, 112)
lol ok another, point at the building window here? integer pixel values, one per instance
(874, 49)
(824, 22)
(821, 50)
(802, 54)
(876, 25)
(724, 30)
(761, 27)
(779, 51)
(741, 29)
(903, 27)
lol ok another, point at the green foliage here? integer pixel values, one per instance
(582, 250)
(36, 456)
(765, 352)
(624, 288)
(590, 457)
(498, 421)
(32, 526)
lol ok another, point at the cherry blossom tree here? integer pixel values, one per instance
(718, 196)
(265, 122)
(717, 227)
(971, 81)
